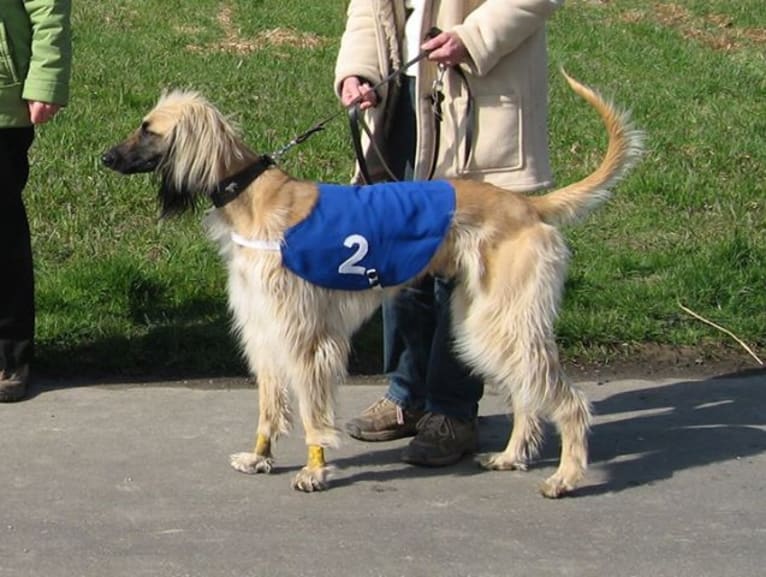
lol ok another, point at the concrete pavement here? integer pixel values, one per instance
(133, 480)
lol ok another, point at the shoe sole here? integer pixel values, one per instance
(439, 461)
(379, 436)
(12, 393)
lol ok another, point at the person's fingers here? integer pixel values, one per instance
(369, 98)
(41, 112)
(446, 48)
(353, 90)
(349, 90)
(435, 42)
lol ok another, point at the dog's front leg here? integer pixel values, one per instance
(315, 381)
(319, 433)
(273, 418)
(313, 477)
(259, 461)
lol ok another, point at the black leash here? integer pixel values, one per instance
(319, 126)
(230, 188)
(436, 97)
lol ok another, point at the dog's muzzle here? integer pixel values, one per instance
(117, 160)
(109, 159)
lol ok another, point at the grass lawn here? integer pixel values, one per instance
(121, 292)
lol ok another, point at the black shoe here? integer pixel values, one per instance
(13, 386)
(441, 441)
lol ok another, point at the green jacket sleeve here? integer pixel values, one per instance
(50, 63)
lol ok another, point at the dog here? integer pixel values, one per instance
(503, 249)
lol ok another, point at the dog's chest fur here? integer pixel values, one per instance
(271, 306)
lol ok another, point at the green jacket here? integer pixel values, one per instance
(35, 56)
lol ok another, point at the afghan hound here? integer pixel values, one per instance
(307, 266)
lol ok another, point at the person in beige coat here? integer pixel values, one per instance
(498, 109)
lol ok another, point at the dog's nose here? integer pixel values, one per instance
(108, 158)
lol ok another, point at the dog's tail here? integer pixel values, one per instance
(576, 200)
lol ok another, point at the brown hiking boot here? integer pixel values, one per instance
(13, 386)
(441, 441)
(384, 420)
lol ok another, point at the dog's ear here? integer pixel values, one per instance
(181, 182)
(174, 200)
(175, 195)
(199, 146)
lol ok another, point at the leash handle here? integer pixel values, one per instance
(433, 32)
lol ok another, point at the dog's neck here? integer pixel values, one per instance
(232, 186)
(269, 206)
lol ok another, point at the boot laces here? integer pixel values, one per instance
(384, 405)
(436, 425)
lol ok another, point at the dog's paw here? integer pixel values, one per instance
(309, 480)
(501, 462)
(251, 463)
(554, 487)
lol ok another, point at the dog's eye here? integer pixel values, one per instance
(145, 129)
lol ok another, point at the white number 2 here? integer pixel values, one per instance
(349, 266)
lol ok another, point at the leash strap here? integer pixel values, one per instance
(470, 118)
(356, 139)
(437, 97)
(354, 103)
(355, 120)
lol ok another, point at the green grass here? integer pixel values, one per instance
(121, 292)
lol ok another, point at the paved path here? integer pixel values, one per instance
(133, 480)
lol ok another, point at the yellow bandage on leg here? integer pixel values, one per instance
(262, 446)
(315, 458)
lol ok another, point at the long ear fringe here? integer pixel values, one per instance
(174, 201)
(202, 146)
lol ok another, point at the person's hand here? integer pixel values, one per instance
(41, 112)
(447, 48)
(352, 88)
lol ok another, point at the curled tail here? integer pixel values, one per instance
(574, 201)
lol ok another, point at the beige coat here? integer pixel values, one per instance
(507, 73)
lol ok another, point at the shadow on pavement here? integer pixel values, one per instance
(671, 428)
(645, 435)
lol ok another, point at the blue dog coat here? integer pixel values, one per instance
(359, 237)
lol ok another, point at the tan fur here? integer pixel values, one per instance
(503, 249)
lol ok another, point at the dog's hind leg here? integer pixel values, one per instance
(523, 445)
(526, 436)
(315, 382)
(273, 419)
(572, 418)
(508, 337)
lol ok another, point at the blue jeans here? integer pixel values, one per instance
(418, 359)
(418, 356)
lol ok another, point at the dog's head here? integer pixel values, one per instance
(187, 142)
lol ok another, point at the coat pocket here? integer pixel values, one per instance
(8, 75)
(497, 134)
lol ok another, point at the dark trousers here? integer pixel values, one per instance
(418, 356)
(17, 300)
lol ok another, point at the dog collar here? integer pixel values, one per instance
(230, 188)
